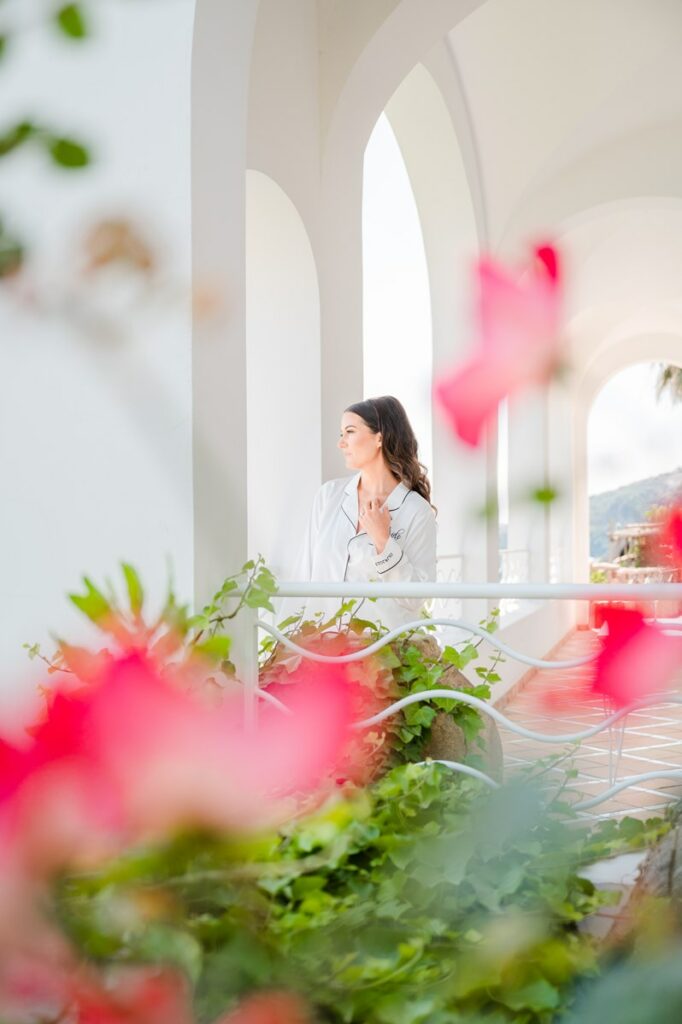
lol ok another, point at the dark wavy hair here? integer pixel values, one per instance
(387, 417)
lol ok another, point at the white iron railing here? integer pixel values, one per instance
(614, 724)
(514, 568)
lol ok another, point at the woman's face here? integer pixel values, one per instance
(358, 444)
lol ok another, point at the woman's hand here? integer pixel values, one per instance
(375, 520)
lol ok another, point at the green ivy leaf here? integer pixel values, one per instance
(70, 19)
(539, 995)
(469, 653)
(217, 648)
(452, 656)
(257, 598)
(162, 944)
(134, 588)
(67, 153)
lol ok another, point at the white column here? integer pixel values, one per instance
(223, 37)
(528, 519)
(341, 355)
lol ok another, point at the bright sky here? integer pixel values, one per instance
(631, 435)
(396, 299)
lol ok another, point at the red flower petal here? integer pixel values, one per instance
(518, 342)
(637, 660)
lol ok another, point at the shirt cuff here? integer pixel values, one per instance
(389, 557)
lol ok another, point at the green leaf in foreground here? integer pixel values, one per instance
(67, 153)
(16, 136)
(12, 254)
(544, 495)
(71, 21)
(134, 587)
(92, 603)
(217, 648)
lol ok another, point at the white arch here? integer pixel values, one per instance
(623, 305)
(641, 348)
(283, 373)
(351, 110)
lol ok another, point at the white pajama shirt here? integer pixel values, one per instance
(334, 552)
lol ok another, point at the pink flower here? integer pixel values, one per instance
(518, 342)
(636, 661)
(41, 988)
(671, 536)
(269, 1008)
(133, 756)
(177, 762)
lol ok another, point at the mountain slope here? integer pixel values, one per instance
(628, 504)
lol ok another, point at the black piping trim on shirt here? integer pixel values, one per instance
(398, 506)
(347, 516)
(382, 571)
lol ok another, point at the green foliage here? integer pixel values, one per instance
(134, 587)
(63, 151)
(421, 898)
(424, 898)
(70, 19)
(642, 990)
(410, 664)
(14, 137)
(67, 153)
(544, 495)
(92, 603)
(12, 252)
(174, 635)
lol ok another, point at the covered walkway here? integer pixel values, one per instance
(559, 702)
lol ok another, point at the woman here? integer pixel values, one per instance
(379, 524)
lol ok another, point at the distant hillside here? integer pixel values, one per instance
(628, 504)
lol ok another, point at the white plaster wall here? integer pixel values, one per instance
(95, 434)
(283, 374)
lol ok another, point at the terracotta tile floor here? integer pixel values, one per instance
(651, 741)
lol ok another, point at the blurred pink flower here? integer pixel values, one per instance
(671, 537)
(178, 762)
(636, 661)
(269, 1008)
(34, 988)
(133, 756)
(518, 327)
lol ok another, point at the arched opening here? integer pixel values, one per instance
(634, 461)
(283, 373)
(397, 352)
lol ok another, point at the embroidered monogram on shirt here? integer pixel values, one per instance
(398, 534)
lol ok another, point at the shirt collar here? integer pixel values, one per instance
(350, 501)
